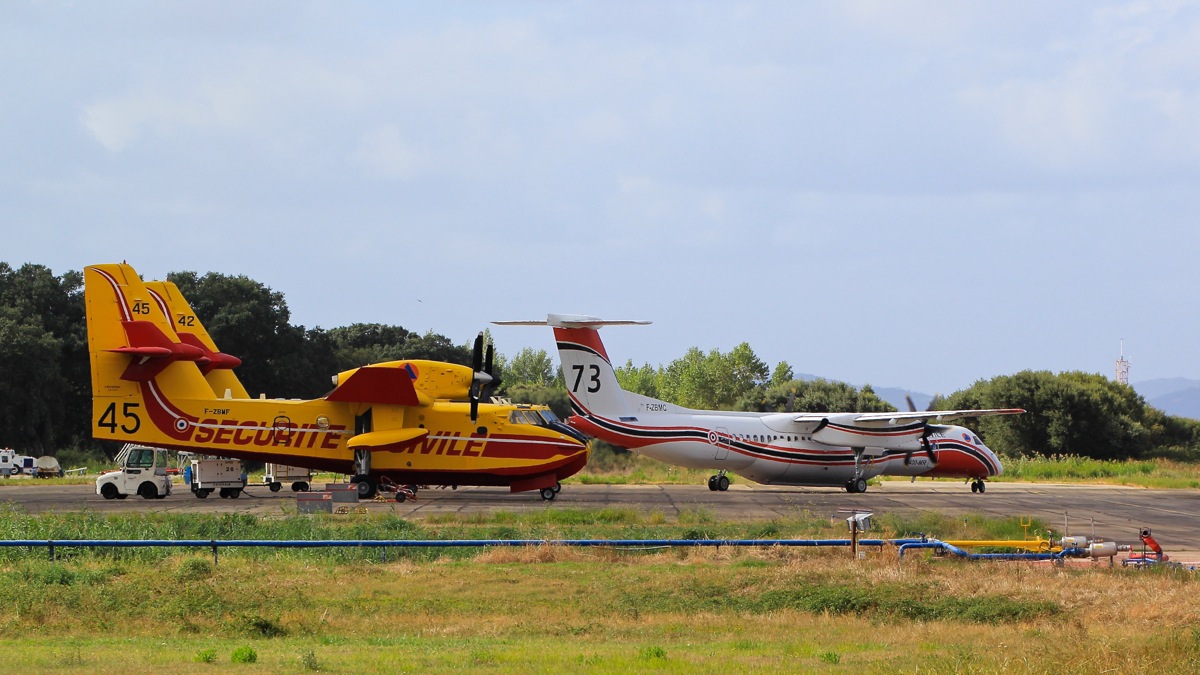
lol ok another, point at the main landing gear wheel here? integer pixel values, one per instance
(365, 486)
(719, 482)
(549, 493)
(557, 487)
(978, 486)
(856, 485)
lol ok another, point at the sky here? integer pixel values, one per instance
(914, 194)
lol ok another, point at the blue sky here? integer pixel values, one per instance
(913, 194)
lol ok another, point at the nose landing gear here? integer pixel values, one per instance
(549, 493)
(978, 486)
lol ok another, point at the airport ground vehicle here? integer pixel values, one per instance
(142, 471)
(224, 475)
(12, 464)
(275, 475)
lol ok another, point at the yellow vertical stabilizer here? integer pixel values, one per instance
(135, 354)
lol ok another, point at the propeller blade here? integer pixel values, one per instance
(927, 445)
(476, 388)
(911, 406)
(477, 354)
(492, 382)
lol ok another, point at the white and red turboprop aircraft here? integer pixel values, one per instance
(810, 449)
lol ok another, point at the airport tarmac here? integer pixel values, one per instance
(1116, 513)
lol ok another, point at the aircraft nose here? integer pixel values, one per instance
(959, 464)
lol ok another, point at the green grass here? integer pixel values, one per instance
(1155, 473)
(578, 610)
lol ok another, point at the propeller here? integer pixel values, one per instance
(925, 444)
(482, 381)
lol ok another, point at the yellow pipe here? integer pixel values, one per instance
(1026, 544)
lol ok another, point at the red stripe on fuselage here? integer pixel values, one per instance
(165, 415)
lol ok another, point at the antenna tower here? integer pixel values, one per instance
(1123, 366)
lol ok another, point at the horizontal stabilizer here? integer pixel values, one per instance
(375, 384)
(152, 351)
(211, 360)
(572, 321)
(389, 439)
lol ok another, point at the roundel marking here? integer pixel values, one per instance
(713, 437)
(181, 425)
(412, 370)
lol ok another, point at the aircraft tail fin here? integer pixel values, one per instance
(591, 380)
(131, 341)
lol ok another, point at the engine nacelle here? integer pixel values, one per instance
(840, 430)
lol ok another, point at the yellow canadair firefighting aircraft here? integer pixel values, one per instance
(400, 422)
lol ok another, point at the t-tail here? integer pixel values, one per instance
(591, 380)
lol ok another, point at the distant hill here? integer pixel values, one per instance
(1152, 389)
(1177, 396)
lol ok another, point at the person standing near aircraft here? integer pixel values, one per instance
(802, 449)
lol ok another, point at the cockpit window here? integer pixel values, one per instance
(549, 416)
(525, 417)
(977, 441)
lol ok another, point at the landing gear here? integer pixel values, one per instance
(719, 482)
(859, 482)
(549, 493)
(978, 486)
(366, 487)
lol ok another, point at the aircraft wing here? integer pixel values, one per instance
(936, 416)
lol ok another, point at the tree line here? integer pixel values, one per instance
(45, 391)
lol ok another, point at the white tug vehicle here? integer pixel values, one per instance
(141, 471)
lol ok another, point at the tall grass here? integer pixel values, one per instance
(1159, 473)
